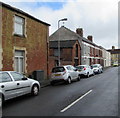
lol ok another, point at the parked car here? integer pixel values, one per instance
(85, 70)
(115, 64)
(97, 68)
(14, 84)
(64, 73)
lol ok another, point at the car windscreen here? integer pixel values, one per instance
(58, 69)
(80, 67)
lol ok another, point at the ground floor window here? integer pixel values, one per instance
(19, 61)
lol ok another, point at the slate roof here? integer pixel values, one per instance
(114, 51)
(22, 12)
(63, 44)
(66, 34)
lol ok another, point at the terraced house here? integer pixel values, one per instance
(23, 41)
(88, 52)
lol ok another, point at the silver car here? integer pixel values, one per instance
(64, 73)
(14, 84)
(97, 68)
(85, 70)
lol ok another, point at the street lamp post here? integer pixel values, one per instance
(64, 19)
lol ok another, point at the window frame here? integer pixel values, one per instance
(19, 60)
(22, 24)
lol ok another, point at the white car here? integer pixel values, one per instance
(64, 73)
(85, 70)
(14, 84)
(97, 68)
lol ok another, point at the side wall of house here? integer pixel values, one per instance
(34, 43)
(1, 37)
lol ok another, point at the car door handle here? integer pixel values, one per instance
(18, 83)
(2, 86)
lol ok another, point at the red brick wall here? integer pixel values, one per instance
(35, 42)
(67, 54)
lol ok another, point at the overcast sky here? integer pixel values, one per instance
(96, 17)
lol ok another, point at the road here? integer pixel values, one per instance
(94, 96)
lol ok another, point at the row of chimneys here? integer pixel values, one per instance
(80, 32)
(90, 38)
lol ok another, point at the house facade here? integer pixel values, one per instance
(70, 48)
(24, 41)
(90, 53)
(115, 55)
(69, 52)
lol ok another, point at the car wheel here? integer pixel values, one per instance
(1, 100)
(69, 80)
(78, 78)
(88, 75)
(98, 72)
(52, 83)
(35, 90)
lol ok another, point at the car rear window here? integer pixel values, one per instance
(58, 69)
(80, 67)
(94, 66)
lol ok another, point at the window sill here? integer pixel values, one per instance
(18, 35)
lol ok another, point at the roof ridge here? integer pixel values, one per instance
(22, 12)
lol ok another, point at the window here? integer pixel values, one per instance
(20, 61)
(56, 52)
(19, 24)
(4, 77)
(76, 50)
(17, 76)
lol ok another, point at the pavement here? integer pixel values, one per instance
(45, 83)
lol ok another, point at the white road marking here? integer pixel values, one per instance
(75, 101)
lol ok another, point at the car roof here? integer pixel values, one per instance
(82, 65)
(7, 71)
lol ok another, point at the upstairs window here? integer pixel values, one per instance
(19, 25)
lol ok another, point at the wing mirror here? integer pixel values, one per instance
(24, 78)
(91, 67)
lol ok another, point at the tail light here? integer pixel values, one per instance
(64, 72)
(84, 68)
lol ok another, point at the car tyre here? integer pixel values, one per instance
(78, 78)
(35, 90)
(88, 75)
(1, 100)
(69, 80)
(52, 83)
(93, 74)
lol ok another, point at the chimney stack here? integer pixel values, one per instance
(79, 31)
(113, 47)
(90, 38)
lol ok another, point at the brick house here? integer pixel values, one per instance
(70, 52)
(70, 49)
(23, 41)
(89, 52)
